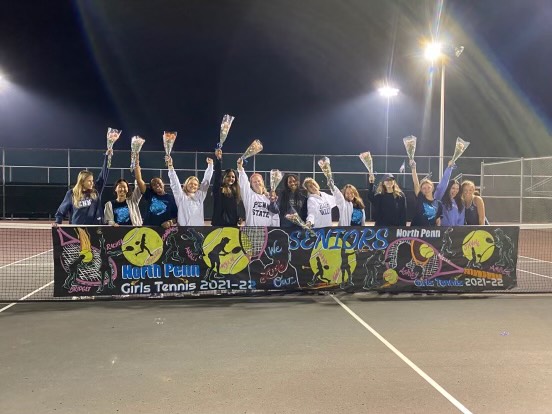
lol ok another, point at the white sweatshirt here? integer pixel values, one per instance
(190, 206)
(319, 209)
(256, 205)
(345, 208)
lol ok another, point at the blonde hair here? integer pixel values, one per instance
(357, 200)
(78, 189)
(309, 180)
(190, 178)
(397, 192)
(427, 181)
(263, 185)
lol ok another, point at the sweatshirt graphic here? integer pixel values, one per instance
(319, 209)
(259, 211)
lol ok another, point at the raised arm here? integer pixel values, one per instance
(176, 187)
(415, 179)
(243, 181)
(443, 184)
(217, 173)
(138, 175)
(204, 186)
(338, 196)
(104, 173)
(371, 189)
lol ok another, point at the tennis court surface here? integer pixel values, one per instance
(282, 353)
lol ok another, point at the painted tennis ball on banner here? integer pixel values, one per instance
(88, 256)
(330, 266)
(390, 276)
(142, 246)
(223, 244)
(479, 241)
(426, 251)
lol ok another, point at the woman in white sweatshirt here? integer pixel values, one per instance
(190, 196)
(350, 205)
(319, 205)
(261, 208)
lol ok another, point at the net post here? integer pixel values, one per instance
(521, 191)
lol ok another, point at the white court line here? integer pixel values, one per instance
(34, 291)
(537, 260)
(536, 274)
(411, 364)
(26, 296)
(22, 260)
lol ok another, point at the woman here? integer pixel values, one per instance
(428, 209)
(124, 210)
(474, 205)
(291, 200)
(319, 205)
(191, 195)
(83, 202)
(350, 205)
(448, 191)
(261, 208)
(161, 207)
(388, 201)
(226, 195)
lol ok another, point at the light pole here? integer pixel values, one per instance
(433, 52)
(387, 92)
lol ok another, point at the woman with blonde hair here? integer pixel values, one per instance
(82, 203)
(388, 201)
(428, 209)
(473, 205)
(350, 205)
(190, 196)
(261, 208)
(319, 205)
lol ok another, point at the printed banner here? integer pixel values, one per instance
(92, 261)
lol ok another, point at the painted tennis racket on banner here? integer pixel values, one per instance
(427, 262)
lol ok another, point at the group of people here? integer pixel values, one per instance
(450, 204)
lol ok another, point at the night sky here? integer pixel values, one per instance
(299, 75)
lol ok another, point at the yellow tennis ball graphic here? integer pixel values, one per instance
(426, 251)
(88, 256)
(390, 276)
(223, 245)
(142, 246)
(327, 263)
(480, 243)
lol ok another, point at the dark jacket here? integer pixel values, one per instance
(225, 209)
(90, 211)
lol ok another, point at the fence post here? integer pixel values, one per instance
(68, 168)
(482, 179)
(3, 183)
(521, 192)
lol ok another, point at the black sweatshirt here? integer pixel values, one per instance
(389, 210)
(225, 209)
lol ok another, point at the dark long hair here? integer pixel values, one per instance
(287, 194)
(447, 201)
(232, 190)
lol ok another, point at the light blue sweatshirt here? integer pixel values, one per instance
(451, 216)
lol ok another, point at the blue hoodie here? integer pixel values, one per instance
(90, 211)
(451, 216)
